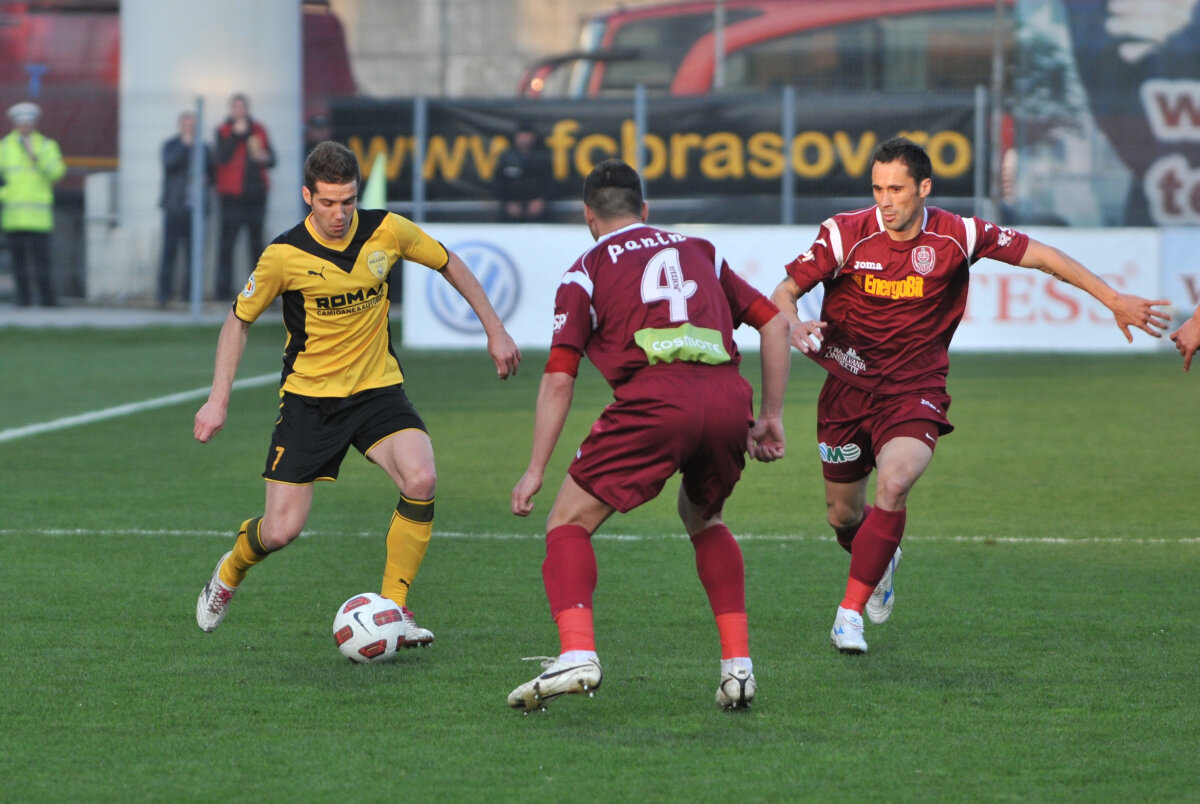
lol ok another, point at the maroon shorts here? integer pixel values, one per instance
(668, 418)
(853, 425)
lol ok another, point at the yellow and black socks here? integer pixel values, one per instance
(407, 540)
(248, 550)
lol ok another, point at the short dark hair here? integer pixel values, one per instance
(613, 189)
(912, 155)
(332, 163)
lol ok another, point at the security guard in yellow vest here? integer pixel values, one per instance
(30, 163)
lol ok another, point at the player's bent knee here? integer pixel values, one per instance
(275, 538)
(420, 484)
(891, 490)
(841, 516)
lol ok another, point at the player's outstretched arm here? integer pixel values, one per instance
(555, 393)
(501, 347)
(804, 335)
(1187, 338)
(766, 440)
(1127, 309)
(231, 344)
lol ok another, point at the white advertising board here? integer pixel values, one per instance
(1181, 270)
(1008, 309)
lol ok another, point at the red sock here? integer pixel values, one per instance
(721, 569)
(722, 572)
(575, 631)
(846, 535)
(876, 543)
(569, 569)
(735, 634)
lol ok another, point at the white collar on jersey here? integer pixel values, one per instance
(614, 232)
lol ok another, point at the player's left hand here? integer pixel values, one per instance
(1134, 311)
(1187, 340)
(505, 355)
(522, 494)
(766, 441)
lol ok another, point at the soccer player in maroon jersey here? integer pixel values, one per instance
(655, 312)
(895, 277)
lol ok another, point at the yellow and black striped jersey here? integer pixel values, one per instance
(335, 300)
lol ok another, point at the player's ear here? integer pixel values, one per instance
(306, 194)
(645, 211)
(925, 188)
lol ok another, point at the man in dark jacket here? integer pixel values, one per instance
(176, 203)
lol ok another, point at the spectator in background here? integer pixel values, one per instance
(524, 181)
(316, 131)
(30, 163)
(176, 203)
(244, 155)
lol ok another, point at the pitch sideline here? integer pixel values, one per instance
(612, 537)
(127, 410)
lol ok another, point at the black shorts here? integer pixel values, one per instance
(312, 434)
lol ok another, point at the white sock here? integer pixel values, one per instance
(577, 656)
(729, 665)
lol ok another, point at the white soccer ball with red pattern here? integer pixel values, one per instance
(368, 628)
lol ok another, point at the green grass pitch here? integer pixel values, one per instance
(1044, 644)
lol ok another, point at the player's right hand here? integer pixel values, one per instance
(806, 335)
(766, 440)
(208, 422)
(505, 354)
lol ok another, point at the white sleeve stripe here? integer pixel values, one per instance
(579, 278)
(718, 260)
(969, 224)
(835, 240)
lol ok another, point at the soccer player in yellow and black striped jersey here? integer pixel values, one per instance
(342, 384)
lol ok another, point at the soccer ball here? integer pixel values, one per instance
(368, 628)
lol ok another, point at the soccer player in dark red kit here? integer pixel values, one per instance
(895, 277)
(654, 311)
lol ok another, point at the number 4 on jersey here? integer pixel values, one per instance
(663, 281)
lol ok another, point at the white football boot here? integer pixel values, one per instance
(847, 633)
(879, 607)
(414, 635)
(737, 689)
(214, 599)
(559, 678)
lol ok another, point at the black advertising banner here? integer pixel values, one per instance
(696, 149)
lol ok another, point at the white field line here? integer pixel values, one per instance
(128, 410)
(611, 537)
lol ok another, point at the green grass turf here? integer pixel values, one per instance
(1043, 647)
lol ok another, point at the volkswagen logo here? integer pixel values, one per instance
(495, 272)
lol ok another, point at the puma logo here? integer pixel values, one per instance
(320, 273)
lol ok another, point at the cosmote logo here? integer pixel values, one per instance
(843, 454)
(495, 271)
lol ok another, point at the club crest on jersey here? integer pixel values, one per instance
(377, 264)
(248, 291)
(923, 259)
